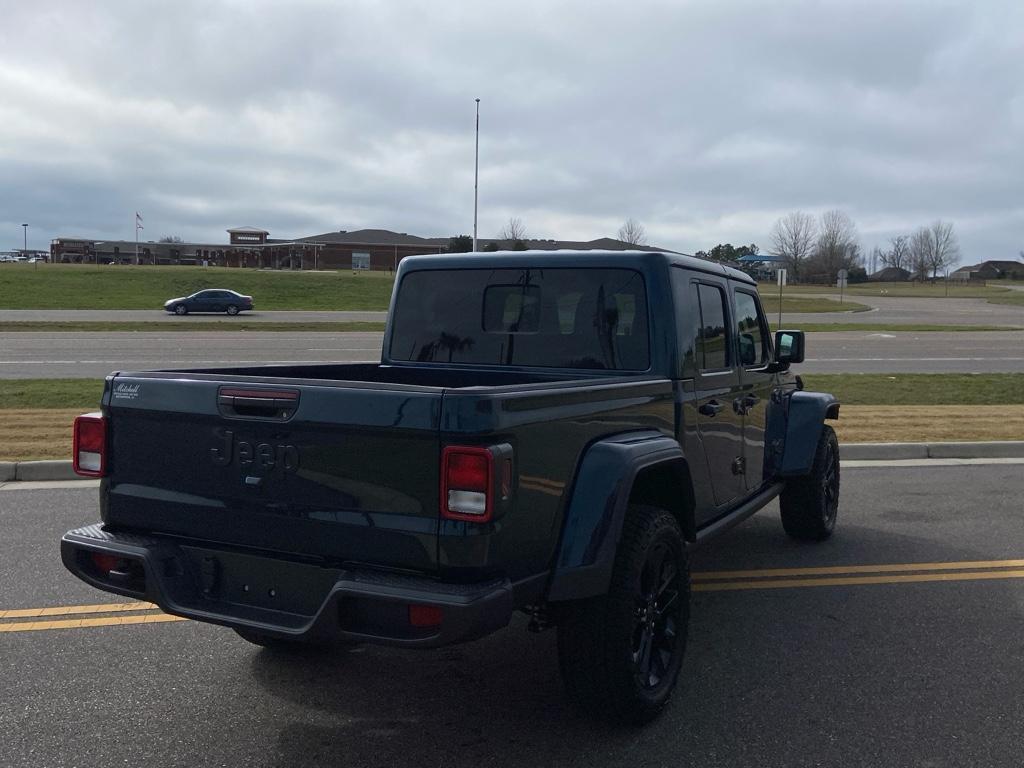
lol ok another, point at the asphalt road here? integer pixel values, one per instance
(885, 309)
(56, 355)
(837, 670)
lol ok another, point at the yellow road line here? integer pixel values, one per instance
(729, 586)
(102, 621)
(72, 610)
(841, 569)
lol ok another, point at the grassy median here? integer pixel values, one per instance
(81, 286)
(76, 286)
(37, 413)
(185, 325)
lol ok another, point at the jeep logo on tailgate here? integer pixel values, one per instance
(248, 455)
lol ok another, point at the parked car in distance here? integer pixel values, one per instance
(210, 300)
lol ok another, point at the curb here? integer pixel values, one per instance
(37, 470)
(1004, 449)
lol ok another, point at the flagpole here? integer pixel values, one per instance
(476, 171)
(138, 226)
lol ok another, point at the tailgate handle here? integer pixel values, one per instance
(267, 404)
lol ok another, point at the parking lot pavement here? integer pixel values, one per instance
(897, 642)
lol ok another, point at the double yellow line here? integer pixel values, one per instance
(856, 575)
(80, 616)
(121, 614)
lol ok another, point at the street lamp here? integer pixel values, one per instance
(24, 251)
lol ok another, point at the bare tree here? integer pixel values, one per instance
(920, 252)
(945, 248)
(898, 254)
(836, 247)
(633, 232)
(933, 249)
(514, 230)
(170, 239)
(793, 240)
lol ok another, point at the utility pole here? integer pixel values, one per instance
(476, 172)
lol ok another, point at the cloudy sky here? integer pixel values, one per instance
(705, 121)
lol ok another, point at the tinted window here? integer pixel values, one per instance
(553, 318)
(714, 336)
(750, 331)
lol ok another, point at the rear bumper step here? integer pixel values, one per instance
(283, 598)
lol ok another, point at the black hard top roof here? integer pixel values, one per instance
(569, 259)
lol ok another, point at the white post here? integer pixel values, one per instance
(476, 172)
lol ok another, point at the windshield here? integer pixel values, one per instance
(551, 318)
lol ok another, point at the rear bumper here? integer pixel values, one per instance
(284, 598)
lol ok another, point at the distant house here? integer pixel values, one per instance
(761, 266)
(890, 275)
(990, 270)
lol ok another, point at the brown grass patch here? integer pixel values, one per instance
(45, 433)
(929, 423)
(39, 433)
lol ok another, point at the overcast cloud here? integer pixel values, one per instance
(705, 121)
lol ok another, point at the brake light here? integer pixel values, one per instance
(89, 446)
(467, 483)
(425, 616)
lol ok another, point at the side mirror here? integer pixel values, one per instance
(789, 347)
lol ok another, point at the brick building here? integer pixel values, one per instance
(364, 249)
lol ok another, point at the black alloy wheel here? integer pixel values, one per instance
(620, 653)
(658, 608)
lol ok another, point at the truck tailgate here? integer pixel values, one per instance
(335, 471)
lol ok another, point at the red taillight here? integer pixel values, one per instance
(89, 447)
(424, 616)
(106, 563)
(467, 483)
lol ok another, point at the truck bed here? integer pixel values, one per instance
(340, 464)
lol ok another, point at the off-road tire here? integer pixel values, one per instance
(601, 640)
(181, 309)
(809, 504)
(232, 309)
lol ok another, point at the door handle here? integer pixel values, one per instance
(710, 408)
(742, 405)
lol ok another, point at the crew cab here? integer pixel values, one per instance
(545, 432)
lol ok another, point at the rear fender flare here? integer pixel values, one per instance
(805, 418)
(597, 507)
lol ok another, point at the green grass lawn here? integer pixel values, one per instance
(884, 328)
(920, 388)
(185, 325)
(807, 304)
(909, 290)
(1014, 298)
(76, 286)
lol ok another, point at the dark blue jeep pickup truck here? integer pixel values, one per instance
(545, 432)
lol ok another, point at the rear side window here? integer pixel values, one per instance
(751, 330)
(714, 331)
(551, 318)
